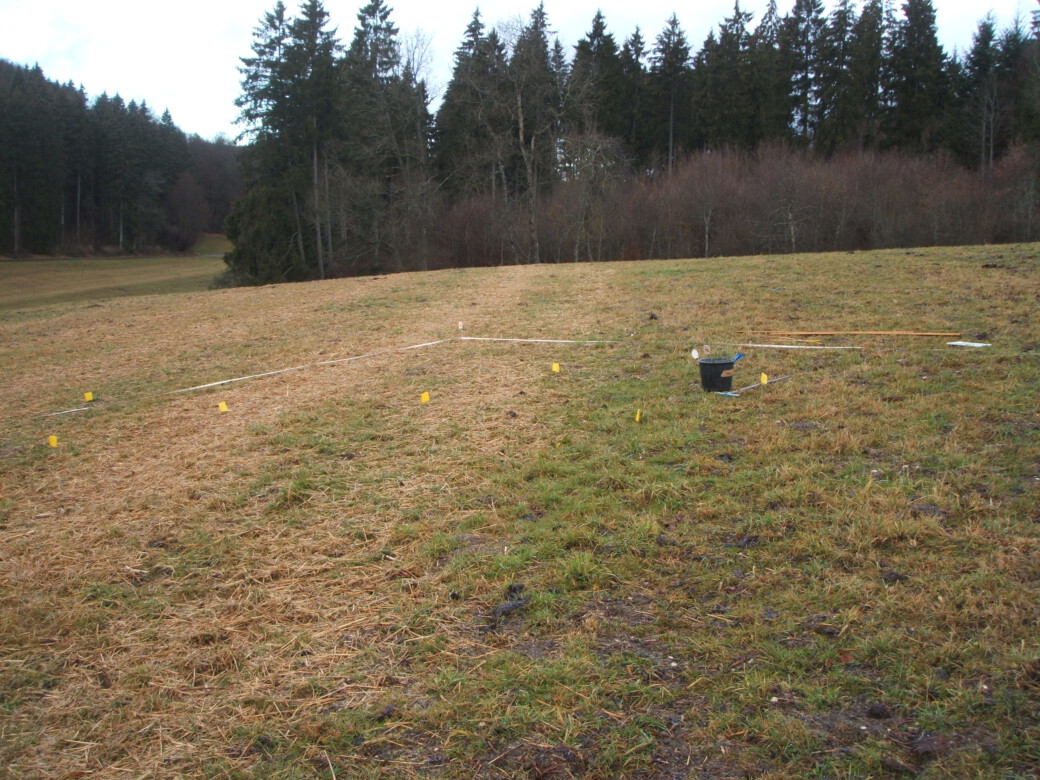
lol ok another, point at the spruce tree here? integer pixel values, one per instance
(633, 99)
(534, 101)
(802, 38)
(597, 76)
(670, 83)
(914, 80)
(864, 90)
(289, 109)
(837, 115)
(770, 94)
(472, 127)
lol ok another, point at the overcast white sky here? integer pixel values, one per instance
(183, 56)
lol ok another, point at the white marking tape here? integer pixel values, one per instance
(68, 411)
(308, 365)
(537, 341)
(427, 344)
(238, 379)
(346, 360)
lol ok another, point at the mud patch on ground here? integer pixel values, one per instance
(636, 610)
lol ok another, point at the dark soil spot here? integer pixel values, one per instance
(803, 426)
(672, 757)
(631, 610)
(931, 510)
(895, 766)
(930, 746)
(891, 576)
(525, 759)
(819, 624)
(655, 663)
(878, 711)
(539, 649)
(743, 541)
(513, 590)
(508, 608)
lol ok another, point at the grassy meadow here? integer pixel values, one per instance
(832, 576)
(26, 284)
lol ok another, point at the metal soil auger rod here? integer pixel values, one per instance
(736, 393)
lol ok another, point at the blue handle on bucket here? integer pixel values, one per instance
(738, 357)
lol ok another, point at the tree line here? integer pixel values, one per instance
(851, 129)
(85, 176)
(814, 130)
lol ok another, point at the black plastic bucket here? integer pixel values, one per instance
(717, 374)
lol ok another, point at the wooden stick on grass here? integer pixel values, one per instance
(851, 333)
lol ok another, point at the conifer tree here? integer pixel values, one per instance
(671, 85)
(770, 95)
(288, 106)
(836, 114)
(864, 89)
(472, 125)
(634, 99)
(981, 93)
(534, 101)
(914, 80)
(802, 37)
(597, 77)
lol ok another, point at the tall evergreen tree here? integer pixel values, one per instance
(914, 80)
(310, 58)
(264, 83)
(670, 81)
(863, 98)
(981, 95)
(729, 82)
(802, 38)
(384, 182)
(31, 161)
(597, 76)
(634, 99)
(472, 127)
(1013, 76)
(536, 110)
(770, 94)
(289, 109)
(837, 115)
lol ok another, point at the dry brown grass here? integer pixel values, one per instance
(185, 592)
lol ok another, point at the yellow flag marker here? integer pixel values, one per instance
(52, 441)
(222, 407)
(556, 368)
(88, 397)
(639, 415)
(424, 398)
(764, 379)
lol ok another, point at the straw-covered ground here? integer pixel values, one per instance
(835, 575)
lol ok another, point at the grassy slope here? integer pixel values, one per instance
(836, 575)
(26, 284)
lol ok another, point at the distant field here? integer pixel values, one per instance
(32, 283)
(835, 576)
